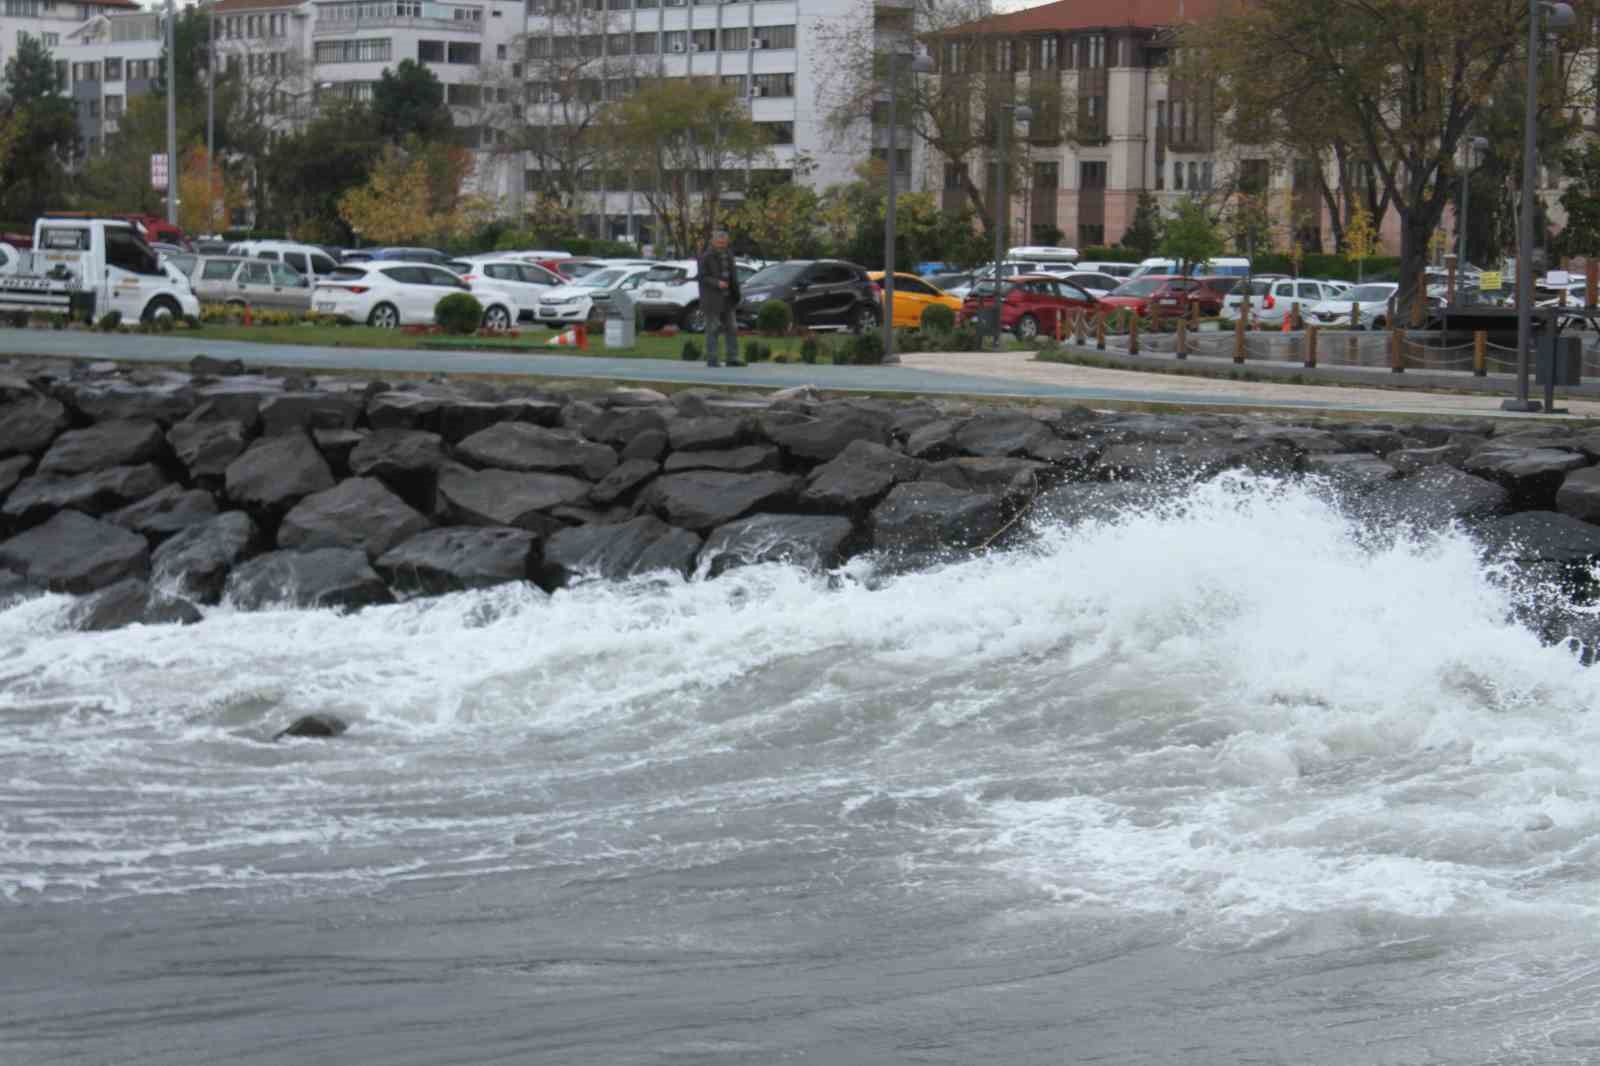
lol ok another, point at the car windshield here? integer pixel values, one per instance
(1371, 294)
(1141, 287)
(667, 274)
(347, 274)
(601, 279)
(776, 274)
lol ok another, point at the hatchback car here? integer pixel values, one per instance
(1031, 304)
(912, 298)
(821, 294)
(528, 283)
(241, 282)
(586, 298)
(387, 295)
(408, 255)
(1139, 294)
(1211, 291)
(1273, 299)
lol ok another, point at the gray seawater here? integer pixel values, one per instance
(1226, 782)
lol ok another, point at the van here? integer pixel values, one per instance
(1043, 254)
(1233, 267)
(304, 258)
(1116, 270)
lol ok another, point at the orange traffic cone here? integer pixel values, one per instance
(583, 337)
(565, 339)
(1285, 328)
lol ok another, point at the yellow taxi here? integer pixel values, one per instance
(913, 296)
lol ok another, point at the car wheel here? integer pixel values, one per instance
(384, 316)
(693, 320)
(160, 307)
(861, 319)
(1380, 323)
(1027, 328)
(497, 318)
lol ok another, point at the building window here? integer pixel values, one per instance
(462, 95)
(644, 44)
(113, 70)
(430, 51)
(1046, 175)
(1253, 177)
(1092, 175)
(370, 50)
(736, 39)
(675, 41)
(1194, 175)
(1047, 52)
(736, 81)
(500, 51)
(774, 36)
(1092, 51)
(703, 41)
(955, 176)
(1177, 175)
(774, 85)
(1161, 114)
(1091, 236)
(619, 44)
(113, 106)
(778, 132)
(462, 53)
(1206, 174)
(1161, 175)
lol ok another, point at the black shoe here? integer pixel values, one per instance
(736, 362)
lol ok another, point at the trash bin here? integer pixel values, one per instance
(1559, 360)
(620, 321)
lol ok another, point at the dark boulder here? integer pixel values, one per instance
(457, 418)
(11, 471)
(1371, 440)
(745, 460)
(1188, 460)
(357, 513)
(14, 588)
(277, 472)
(100, 492)
(819, 439)
(102, 446)
(618, 425)
(326, 577)
(934, 440)
(1005, 478)
(857, 478)
(75, 553)
(402, 410)
(508, 498)
(1413, 459)
(639, 546)
(623, 480)
(1108, 501)
(1532, 475)
(206, 448)
(1301, 439)
(209, 366)
(930, 516)
(131, 601)
(445, 560)
(99, 402)
(288, 412)
(651, 444)
(336, 446)
(991, 436)
(199, 558)
(520, 446)
(1435, 497)
(1352, 471)
(232, 402)
(320, 726)
(1540, 537)
(813, 542)
(694, 434)
(704, 499)
(407, 460)
(28, 424)
(164, 513)
(1579, 494)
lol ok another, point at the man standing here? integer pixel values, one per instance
(719, 295)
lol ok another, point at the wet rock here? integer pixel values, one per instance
(934, 440)
(75, 553)
(407, 460)
(1001, 477)
(1159, 461)
(1414, 459)
(232, 404)
(106, 402)
(651, 444)
(1372, 441)
(813, 542)
(100, 492)
(704, 499)
(29, 424)
(11, 472)
(164, 513)
(216, 368)
(1111, 501)
(1356, 471)
(444, 560)
(1532, 475)
(633, 396)
(314, 725)
(520, 446)
(993, 436)
(1579, 494)
(1301, 439)
(288, 412)
(14, 588)
(199, 558)
(640, 546)
(131, 601)
(508, 498)
(857, 478)
(336, 446)
(930, 516)
(206, 448)
(277, 472)
(618, 425)
(402, 410)
(820, 439)
(358, 513)
(1540, 537)
(327, 577)
(745, 460)
(623, 480)
(694, 434)
(102, 446)
(1436, 497)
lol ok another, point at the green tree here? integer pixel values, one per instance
(1360, 238)
(1145, 231)
(778, 222)
(42, 129)
(306, 172)
(30, 72)
(409, 101)
(189, 59)
(1191, 237)
(1581, 200)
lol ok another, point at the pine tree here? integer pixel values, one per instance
(1144, 232)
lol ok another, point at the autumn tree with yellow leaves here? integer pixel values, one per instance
(417, 193)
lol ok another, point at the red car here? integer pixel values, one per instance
(1167, 293)
(1210, 292)
(1033, 304)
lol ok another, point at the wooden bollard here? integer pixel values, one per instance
(1355, 315)
(1133, 335)
(1238, 340)
(1080, 327)
(1295, 321)
(1397, 361)
(1180, 347)
(1353, 350)
(1480, 354)
(1311, 347)
(1100, 332)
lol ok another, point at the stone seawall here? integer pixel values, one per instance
(154, 493)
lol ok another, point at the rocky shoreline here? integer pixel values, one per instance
(154, 493)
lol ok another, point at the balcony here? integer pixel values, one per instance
(351, 17)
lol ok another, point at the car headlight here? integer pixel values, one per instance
(757, 296)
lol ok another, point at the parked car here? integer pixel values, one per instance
(1232, 266)
(389, 294)
(241, 282)
(1211, 291)
(670, 292)
(1272, 299)
(1116, 270)
(306, 259)
(1031, 304)
(821, 294)
(408, 255)
(182, 262)
(585, 298)
(1096, 283)
(955, 283)
(1137, 293)
(913, 296)
(1371, 301)
(1036, 253)
(80, 263)
(526, 282)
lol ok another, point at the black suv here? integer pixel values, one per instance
(819, 292)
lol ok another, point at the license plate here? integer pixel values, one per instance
(652, 292)
(546, 309)
(326, 306)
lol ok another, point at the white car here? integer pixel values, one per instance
(387, 294)
(671, 292)
(1371, 300)
(1116, 270)
(1094, 282)
(304, 258)
(1271, 299)
(585, 298)
(526, 282)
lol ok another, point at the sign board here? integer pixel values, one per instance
(158, 171)
(1489, 280)
(1556, 279)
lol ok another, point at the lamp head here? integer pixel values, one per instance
(1557, 16)
(1024, 113)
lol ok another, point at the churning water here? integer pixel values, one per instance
(1229, 780)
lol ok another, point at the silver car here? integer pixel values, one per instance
(254, 282)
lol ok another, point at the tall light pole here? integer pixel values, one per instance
(1009, 113)
(920, 64)
(1559, 16)
(1475, 147)
(211, 115)
(172, 114)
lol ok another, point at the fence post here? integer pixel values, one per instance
(1238, 338)
(1133, 335)
(1181, 345)
(1480, 354)
(1080, 327)
(1397, 361)
(1355, 315)
(1311, 347)
(1353, 350)
(1100, 332)
(1296, 322)
(1591, 280)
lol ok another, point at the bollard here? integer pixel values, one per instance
(1238, 341)
(1355, 315)
(1244, 311)
(1311, 347)
(1133, 335)
(1100, 332)
(1058, 327)
(1480, 354)
(1181, 345)
(1353, 351)
(1194, 312)
(1080, 328)
(1397, 363)
(1294, 316)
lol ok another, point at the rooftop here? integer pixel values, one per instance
(1097, 14)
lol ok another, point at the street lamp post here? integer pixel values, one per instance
(172, 114)
(920, 64)
(211, 115)
(1559, 16)
(1009, 113)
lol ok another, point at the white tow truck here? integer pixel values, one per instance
(88, 267)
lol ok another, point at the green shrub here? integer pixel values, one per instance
(691, 351)
(752, 351)
(773, 318)
(866, 349)
(109, 322)
(966, 339)
(938, 319)
(459, 313)
(808, 349)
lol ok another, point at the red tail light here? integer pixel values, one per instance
(877, 290)
(1269, 303)
(469, 277)
(357, 289)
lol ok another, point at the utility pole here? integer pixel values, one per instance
(172, 113)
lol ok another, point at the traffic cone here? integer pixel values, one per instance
(1285, 328)
(583, 337)
(565, 339)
